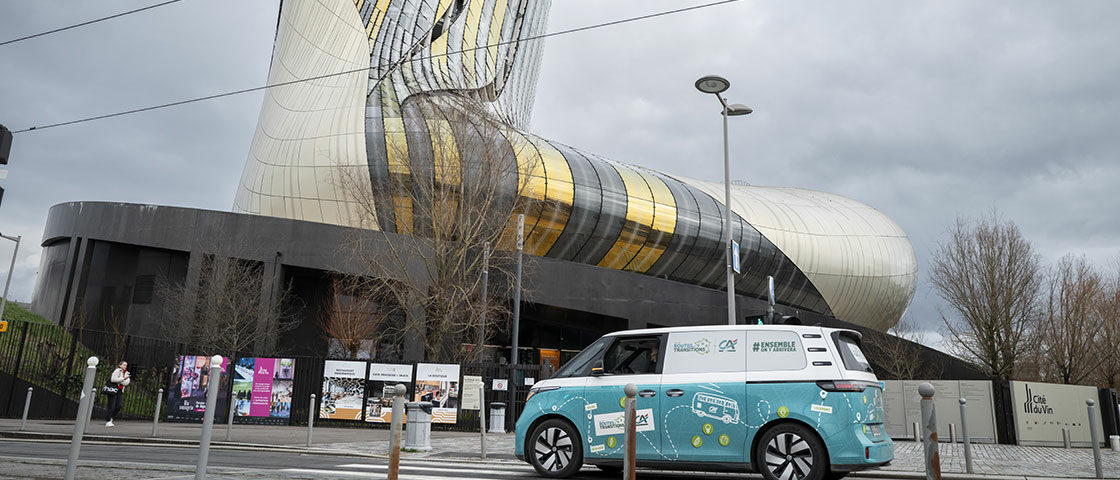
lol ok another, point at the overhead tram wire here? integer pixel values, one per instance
(366, 69)
(110, 17)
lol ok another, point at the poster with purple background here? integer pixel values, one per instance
(262, 389)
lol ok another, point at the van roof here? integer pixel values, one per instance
(709, 328)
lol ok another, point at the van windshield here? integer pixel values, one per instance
(581, 364)
(852, 355)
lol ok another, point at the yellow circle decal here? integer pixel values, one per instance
(622, 402)
(783, 412)
(865, 399)
(611, 442)
(724, 440)
(707, 428)
(697, 441)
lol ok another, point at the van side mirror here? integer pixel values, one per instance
(597, 368)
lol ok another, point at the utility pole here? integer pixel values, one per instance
(4, 301)
(517, 288)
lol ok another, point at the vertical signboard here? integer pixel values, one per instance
(471, 399)
(379, 400)
(438, 383)
(189, 382)
(344, 388)
(1043, 409)
(902, 407)
(262, 389)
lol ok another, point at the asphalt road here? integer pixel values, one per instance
(37, 459)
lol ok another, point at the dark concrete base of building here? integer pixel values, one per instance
(101, 260)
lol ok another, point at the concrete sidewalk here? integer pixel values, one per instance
(989, 461)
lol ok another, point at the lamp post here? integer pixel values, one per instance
(4, 301)
(715, 85)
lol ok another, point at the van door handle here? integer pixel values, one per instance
(676, 392)
(647, 393)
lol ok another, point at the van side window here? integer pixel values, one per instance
(704, 352)
(632, 355)
(769, 350)
(580, 365)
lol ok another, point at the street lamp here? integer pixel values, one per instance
(715, 85)
(4, 301)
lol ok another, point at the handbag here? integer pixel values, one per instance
(109, 388)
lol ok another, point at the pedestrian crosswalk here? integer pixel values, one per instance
(417, 470)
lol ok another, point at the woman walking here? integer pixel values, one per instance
(120, 378)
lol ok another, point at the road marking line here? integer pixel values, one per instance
(481, 467)
(370, 474)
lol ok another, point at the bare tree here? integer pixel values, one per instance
(466, 175)
(1108, 338)
(224, 313)
(354, 318)
(990, 277)
(899, 352)
(1068, 336)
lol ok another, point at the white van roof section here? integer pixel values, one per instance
(710, 328)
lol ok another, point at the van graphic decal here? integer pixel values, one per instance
(714, 406)
(701, 347)
(615, 423)
(728, 346)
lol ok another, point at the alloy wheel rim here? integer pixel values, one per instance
(789, 457)
(553, 449)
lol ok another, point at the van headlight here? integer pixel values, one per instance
(535, 390)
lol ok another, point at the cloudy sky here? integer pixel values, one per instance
(924, 110)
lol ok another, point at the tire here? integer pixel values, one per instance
(790, 451)
(555, 449)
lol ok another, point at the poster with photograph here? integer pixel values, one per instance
(344, 389)
(262, 390)
(379, 403)
(438, 383)
(190, 380)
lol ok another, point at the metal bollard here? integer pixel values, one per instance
(1093, 435)
(89, 413)
(212, 387)
(397, 420)
(929, 433)
(964, 437)
(1114, 441)
(26, 407)
(917, 432)
(310, 418)
(79, 427)
(230, 414)
(630, 460)
(952, 433)
(1065, 437)
(155, 418)
(482, 417)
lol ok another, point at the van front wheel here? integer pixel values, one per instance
(555, 450)
(791, 452)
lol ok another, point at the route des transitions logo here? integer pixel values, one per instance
(701, 347)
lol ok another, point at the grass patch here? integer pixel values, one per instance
(15, 313)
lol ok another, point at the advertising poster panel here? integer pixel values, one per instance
(344, 389)
(262, 390)
(189, 382)
(1043, 409)
(438, 383)
(379, 403)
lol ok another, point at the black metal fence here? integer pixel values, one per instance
(52, 360)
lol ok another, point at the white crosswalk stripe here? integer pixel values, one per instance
(423, 470)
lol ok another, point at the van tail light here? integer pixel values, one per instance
(842, 386)
(867, 453)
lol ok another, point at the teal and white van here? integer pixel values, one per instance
(790, 402)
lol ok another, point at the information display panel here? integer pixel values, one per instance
(344, 388)
(189, 382)
(438, 383)
(379, 400)
(262, 390)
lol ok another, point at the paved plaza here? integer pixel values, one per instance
(989, 460)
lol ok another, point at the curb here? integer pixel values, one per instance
(169, 442)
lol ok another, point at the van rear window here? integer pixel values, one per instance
(851, 353)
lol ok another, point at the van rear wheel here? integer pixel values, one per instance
(790, 451)
(554, 449)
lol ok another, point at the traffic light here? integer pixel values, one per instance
(5, 144)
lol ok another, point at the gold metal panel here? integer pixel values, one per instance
(664, 224)
(496, 21)
(556, 206)
(396, 150)
(639, 219)
(470, 41)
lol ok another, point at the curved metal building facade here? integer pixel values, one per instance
(828, 254)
